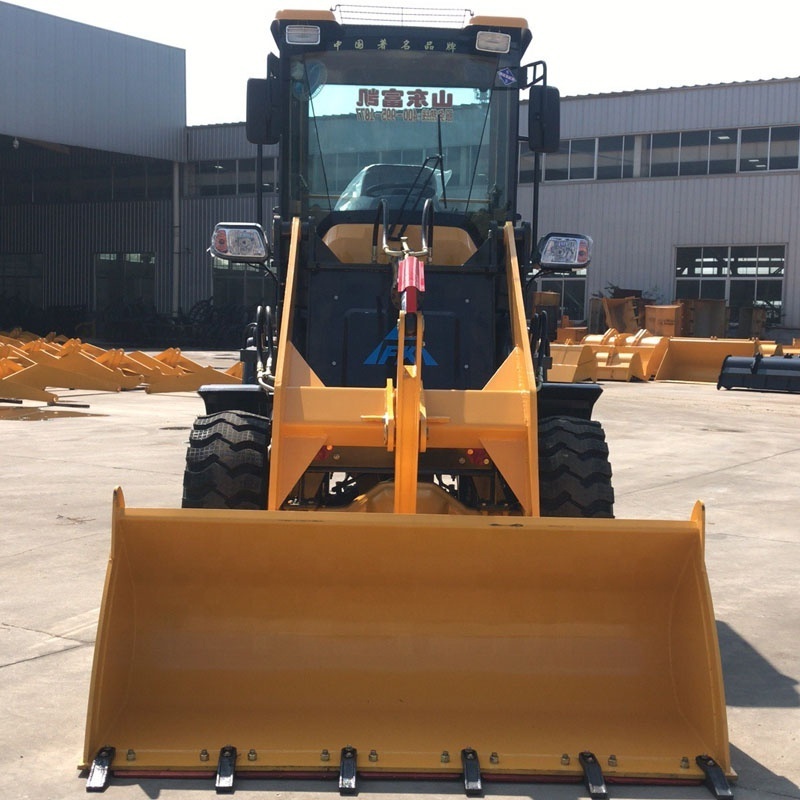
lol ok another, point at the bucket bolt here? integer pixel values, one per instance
(204, 755)
(325, 755)
(130, 755)
(373, 755)
(445, 758)
(612, 761)
(565, 759)
(494, 758)
(685, 762)
(252, 755)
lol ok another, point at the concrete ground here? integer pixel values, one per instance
(671, 443)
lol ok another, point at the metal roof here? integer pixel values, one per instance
(74, 84)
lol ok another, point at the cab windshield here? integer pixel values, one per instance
(404, 126)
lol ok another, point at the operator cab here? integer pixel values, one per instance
(400, 134)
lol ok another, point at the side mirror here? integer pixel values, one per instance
(544, 119)
(263, 109)
(261, 126)
(239, 242)
(564, 251)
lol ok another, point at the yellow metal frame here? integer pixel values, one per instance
(404, 417)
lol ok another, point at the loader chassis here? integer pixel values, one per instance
(396, 553)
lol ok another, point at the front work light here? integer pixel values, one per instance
(302, 34)
(492, 42)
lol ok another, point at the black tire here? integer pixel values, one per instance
(227, 463)
(574, 470)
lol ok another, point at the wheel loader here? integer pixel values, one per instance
(396, 553)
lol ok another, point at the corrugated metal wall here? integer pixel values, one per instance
(209, 142)
(69, 236)
(76, 84)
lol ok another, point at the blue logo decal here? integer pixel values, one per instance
(387, 351)
(507, 76)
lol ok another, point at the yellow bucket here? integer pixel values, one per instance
(289, 635)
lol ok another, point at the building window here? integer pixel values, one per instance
(661, 155)
(527, 163)
(216, 177)
(91, 183)
(159, 180)
(754, 150)
(581, 159)
(246, 177)
(615, 157)
(21, 280)
(664, 155)
(124, 282)
(556, 165)
(129, 181)
(574, 161)
(783, 147)
(744, 276)
(694, 152)
(722, 151)
(227, 177)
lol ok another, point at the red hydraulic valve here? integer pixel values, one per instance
(410, 282)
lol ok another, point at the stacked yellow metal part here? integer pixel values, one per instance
(31, 365)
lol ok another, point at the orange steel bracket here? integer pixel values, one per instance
(406, 418)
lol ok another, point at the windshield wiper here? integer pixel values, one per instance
(313, 115)
(438, 161)
(441, 161)
(478, 154)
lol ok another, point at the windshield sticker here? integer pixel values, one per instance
(409, 105)
(507, 76)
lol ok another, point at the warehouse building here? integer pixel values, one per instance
(107, 198)
(689, 193)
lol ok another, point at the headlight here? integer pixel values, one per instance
(240, 242)
(565, 251)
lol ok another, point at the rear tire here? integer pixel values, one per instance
(227, 464)
(574, 470)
